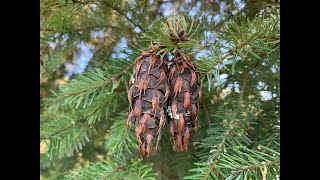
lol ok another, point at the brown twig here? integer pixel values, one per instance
(230, 127)
(85, 28)
(255, 166)
(220, 146)
(114, 171)
(102, 83)
(60, 131)
(230, 52)
(107, 101)
(270, 37)
(207, 115)
(45, 29)
(123, 14)
(114, 8)
(241, 45)
(81, 2)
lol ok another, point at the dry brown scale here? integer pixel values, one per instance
(147, 97)
(184, 97)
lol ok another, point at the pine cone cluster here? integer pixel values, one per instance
(158, 95)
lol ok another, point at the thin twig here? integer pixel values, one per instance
(111, 174)
(230, 52)
(81, 2)
(60, 131)
(85, 28)
(225, 135)
(73, 30)
(45, 29)
(114, 8)
(107, 101)
(241, 45)
(123, 14)
(270, 37)
(255, 166)
(206, 113)
(143, 9)
(102, 83)
(220, 146)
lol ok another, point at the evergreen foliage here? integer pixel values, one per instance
(115, 169)
(83, 113)
(173, 34)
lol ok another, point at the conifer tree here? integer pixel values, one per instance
(87, 55)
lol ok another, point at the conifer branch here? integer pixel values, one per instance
(45, 29)
(81, 2)
(114, 8)
(123, 14)
(239, 46)
(220, 147)
(85, 28)
(229, 53)
(254, 166)
(143, 9)
(227, 132)
(270, 37)
(102, 83)
(93, 87)
(115, 95)
(207, 115)
(115, 170)
(60, 131)
(117, 143)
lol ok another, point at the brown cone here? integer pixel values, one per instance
(185, 93)
(147, 97)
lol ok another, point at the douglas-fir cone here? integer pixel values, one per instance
(185, 93)
(147, 97)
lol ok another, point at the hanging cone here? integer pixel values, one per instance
(185, 94)
(147, 97)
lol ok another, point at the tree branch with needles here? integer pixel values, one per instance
(109, 80)
(256, 166)
(48, 136)
(123, 14)
(239, 46)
